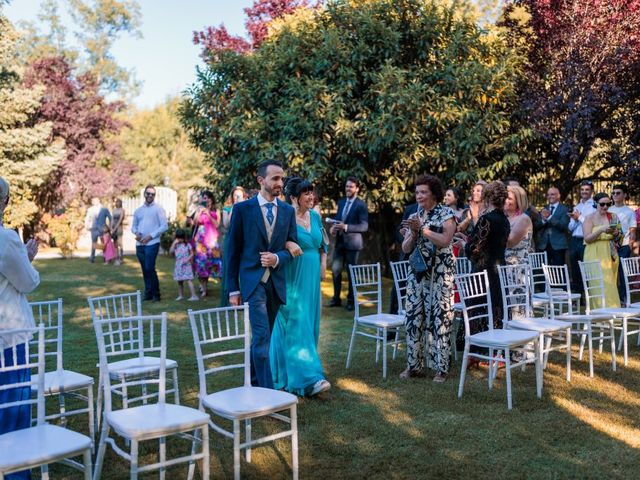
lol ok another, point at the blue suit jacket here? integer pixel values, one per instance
(555, 231)
(358, 223)
(247, 237)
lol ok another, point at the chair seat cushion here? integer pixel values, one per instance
(63, 381)
(39, 445)
(138, 366)
(617, 312)
(382, 320)
(540, 325)
(557, 294)
(580, 318)
(155, 420)
(248, 402)
(503, 338)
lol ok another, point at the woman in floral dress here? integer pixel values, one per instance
(207, 262)
(428, 233)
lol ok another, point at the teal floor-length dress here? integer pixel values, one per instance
(295, 363)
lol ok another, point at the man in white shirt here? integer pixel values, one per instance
(576, 248)
(149, 222)
(627, 219)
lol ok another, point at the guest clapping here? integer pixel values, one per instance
(519, 241)
(487, 244)
(470, 215)
(17, 278)
(427, 237)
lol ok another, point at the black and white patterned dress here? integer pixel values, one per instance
(430, 301)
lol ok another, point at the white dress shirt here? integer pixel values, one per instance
(553, 208)
(262, 202)
(627, 219)
(586, 208)
(149, 220)
(17, 278)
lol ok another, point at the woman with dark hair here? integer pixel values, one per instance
(487, 245)
(602, 232)
(295, 363)
(427, 238)
(454, 199)
(207, 261)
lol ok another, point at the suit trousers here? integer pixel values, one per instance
(342, 258)
(623, 252)
(556, 257)
(147, 255)
(576, 254)
(264, 304)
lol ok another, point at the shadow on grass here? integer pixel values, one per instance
(367, 427)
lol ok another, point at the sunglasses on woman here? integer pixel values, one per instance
(604, 204)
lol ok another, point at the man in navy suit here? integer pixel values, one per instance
(351, 221)
(553, 229)
(260, 228)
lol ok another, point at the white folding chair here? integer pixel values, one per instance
(476, 300)
(463, 267)
(562, 309)
(221, 337)
(631, 272)
(593, 283)
(151, 421)
(516, 303)
(367, 291)
(41, 444)
(125, 306)
(58, 381)
(400, 272)
(539, 298)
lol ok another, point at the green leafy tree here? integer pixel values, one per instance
(158, 145)
(27, 154)
(51, 41)
(377, 88)
(101, 23)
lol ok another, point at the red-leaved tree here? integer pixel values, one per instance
(580, 92)
(93, 165)
(263, 12)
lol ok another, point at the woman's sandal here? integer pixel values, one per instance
(440, 378)
(408, 373)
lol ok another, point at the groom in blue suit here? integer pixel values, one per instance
(260, 228)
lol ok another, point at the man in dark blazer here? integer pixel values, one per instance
(553, 229)
(256, 256)
(351, 221)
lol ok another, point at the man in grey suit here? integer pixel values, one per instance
(553, 229)
(351, 221)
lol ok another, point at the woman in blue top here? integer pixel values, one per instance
(295, 363)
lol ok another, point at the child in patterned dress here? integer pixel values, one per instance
(183, 270)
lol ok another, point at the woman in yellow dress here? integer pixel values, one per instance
(601, 233)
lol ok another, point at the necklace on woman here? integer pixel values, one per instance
(304, 221)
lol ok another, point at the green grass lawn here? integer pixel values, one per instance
(367, 427)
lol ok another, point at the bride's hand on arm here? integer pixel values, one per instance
(293, 248)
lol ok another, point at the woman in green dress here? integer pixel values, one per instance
(295, 363)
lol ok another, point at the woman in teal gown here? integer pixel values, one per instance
(295, 363)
